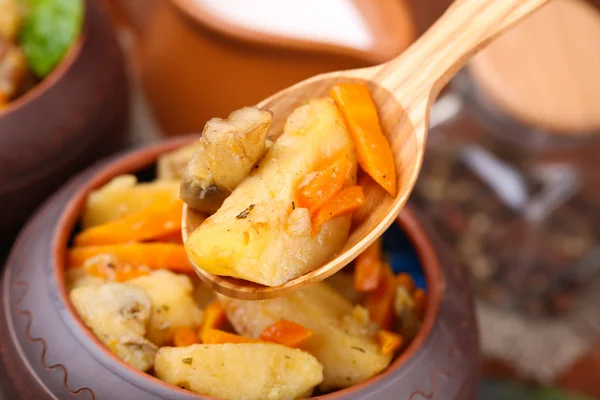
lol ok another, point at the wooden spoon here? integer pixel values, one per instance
(403, 90)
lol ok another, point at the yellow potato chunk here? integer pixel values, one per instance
(242, 371)
(123, 196)
(343, 337)
(259, 234)
(173, 304)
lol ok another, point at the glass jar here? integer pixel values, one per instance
(520, 206)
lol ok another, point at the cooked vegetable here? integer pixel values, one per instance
(228, 150)
(389, 342)
(287, 333)
(420, 299)
(325, 183)
(13, 69)
(152, 255)
(10, 19)
(380, 302)
(259, 234)
(214, 317)
(150, 223)
(172, 303)
(367, 268)
(343, 340)
(240, 371)
(343, 203)
(184, 337)
(118, 313)
(405, 281)
(217, 336)
(110, 268)
(372, 147)
(171, 166)
(123, 196)
(49, 29)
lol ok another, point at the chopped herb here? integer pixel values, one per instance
(348, 378)
(187, 360)
(166, 307)
(245, 213)
(293, 205)
(359, 349)
(222, 363)
(288, 357)
(256, 166)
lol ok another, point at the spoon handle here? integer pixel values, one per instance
(420, 72)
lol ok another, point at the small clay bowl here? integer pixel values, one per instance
(70, 119)
(48, 352)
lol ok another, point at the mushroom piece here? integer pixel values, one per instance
(118, 314)
(229, 148)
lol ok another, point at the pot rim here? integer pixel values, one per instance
(146, 157)
(56, 75)
(384, 47)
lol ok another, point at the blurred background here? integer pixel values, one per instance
(510, 177)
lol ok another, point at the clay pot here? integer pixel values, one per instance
(195, 64)
(73, 117)
(48, 352)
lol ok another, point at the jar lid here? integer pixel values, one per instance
(545, 72)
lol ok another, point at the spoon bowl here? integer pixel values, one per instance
(403, 90)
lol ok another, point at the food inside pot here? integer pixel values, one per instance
(34, 37)
(131, 282)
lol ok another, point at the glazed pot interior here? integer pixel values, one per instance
(54, 76)
(142, 161)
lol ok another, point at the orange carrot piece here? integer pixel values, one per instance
(389, 342)
(174, 237)
(420, 300)
(214, 317)
(111, 268)
(287, 333)
(367, 268)
(152, 255)
(405, 281)
(342, 203)
(380, 302)
(217, 336)
(152, 222)
(372, 147)
(325, 185)
(185, 337)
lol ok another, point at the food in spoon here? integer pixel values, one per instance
(35, 35)
(142, 299)
(228, 150)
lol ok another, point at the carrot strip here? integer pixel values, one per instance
(405, 281)
(216, 336)
(380, 302)
(344, 202)
(185, 337)
(111, 268)
(173, 237)
(367, 268)
(150, 223)
(325, 185)
(372, 147)
(151, 255)
(214, 317)
(389, 342)
(420, 300)
(287, 333)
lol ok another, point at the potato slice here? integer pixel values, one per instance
(172, 302)
(173, 164)
(118, 314)
(240, 371)
(259, 234)
(343, 339)
(123, 196)
(228, 150)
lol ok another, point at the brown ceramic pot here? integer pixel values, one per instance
(73, 117)
(195, 65)
(47, 351)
